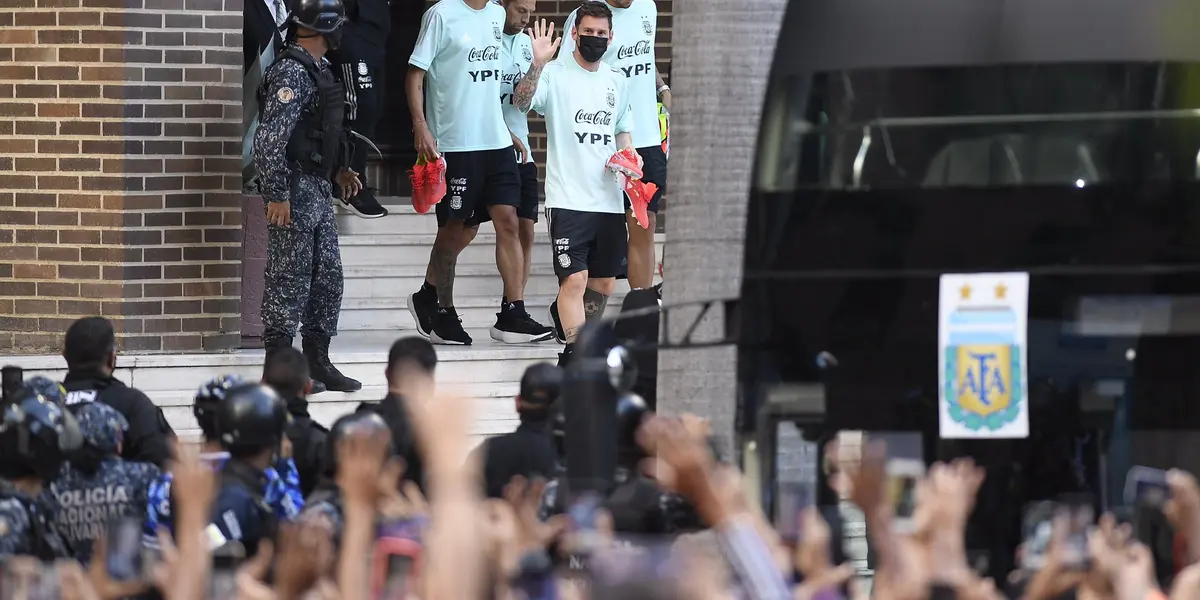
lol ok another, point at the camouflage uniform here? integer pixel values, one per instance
(304, 264)
(27, 526)
(88, 496)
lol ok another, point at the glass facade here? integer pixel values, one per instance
(880, 167)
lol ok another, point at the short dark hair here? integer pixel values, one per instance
(89, 342)
(600, 10)
(286, 370)
(414, 350)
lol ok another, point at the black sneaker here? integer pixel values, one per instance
(559, 335)
(517, 327)
(422, 305)
(448, 329)
(365, 205)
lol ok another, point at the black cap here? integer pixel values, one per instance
(541, 384)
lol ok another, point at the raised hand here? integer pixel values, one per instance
(544, 43)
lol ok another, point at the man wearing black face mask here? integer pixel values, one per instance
(529, 451)
(301, 149)
(631, 50)
(90, 349)
(589, 124)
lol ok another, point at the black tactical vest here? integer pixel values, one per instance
(319, 144)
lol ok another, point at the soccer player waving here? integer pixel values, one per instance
(588, 120)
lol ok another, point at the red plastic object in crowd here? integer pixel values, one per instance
(428, 182)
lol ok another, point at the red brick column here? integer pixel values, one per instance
(120, 126)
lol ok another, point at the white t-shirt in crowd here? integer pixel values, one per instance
(459, 49)
(632, 51)
(584, 110)
(517, 54)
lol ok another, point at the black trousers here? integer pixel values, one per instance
(363, 75)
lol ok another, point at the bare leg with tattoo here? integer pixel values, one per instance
(447, 328)
(595, 297)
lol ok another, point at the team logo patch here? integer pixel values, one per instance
(455, 202)
(286, 95)
(647, 27)
(564, 260)
(496, 32)
(527, 52)
(362, 68)
(611, 99)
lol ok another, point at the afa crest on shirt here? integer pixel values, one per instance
(455, 202)
(647, 27)
(611, 98)
(362, 68)
(496, 32)
(564, 260)
(527, 52)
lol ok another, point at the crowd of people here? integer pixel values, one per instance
(395, 500)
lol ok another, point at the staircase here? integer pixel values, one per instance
(384, 261)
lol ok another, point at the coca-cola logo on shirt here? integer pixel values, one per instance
(484, 54)
(639, 49)
(600, 117)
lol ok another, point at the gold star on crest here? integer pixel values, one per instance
(1001, 290)
(965, 292)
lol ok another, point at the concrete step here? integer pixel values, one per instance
(476, 311)
(488, 372)
(401, 219)
(384, 281)
(413, 249)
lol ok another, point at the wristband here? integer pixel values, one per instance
(664, 89)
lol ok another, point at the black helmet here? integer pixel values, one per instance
(36, 432)
(362, 420)
(251, 416)
(321, 16)
(209, 397)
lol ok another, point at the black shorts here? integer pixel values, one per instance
(477, 180)
(529, 192)
(587, 241)
(654, 170)
(528, 208)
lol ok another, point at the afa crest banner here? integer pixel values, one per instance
(982, 340)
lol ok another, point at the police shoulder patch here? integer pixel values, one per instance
(285, 95)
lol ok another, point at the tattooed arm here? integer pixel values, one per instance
(527, 89)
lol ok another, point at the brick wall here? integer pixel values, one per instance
(120, 124)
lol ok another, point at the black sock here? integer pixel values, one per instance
(569, 348)
(519, 306)
(428, 289)
(503, 301)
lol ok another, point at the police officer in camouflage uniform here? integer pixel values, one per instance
(282, 492)
(96, 485)
(301, 150)
(36, 435)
